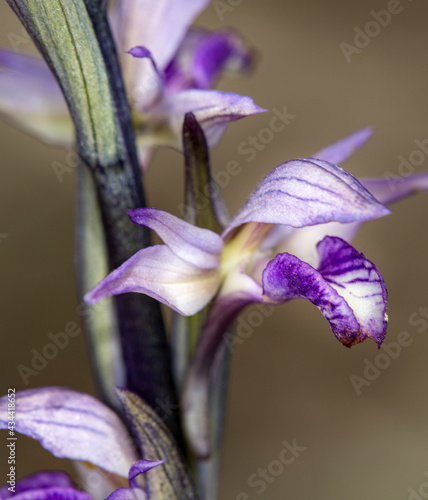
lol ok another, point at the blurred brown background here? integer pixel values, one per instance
(290, 378)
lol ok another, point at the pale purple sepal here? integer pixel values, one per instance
(31, 99)
(306, 192)
(347, 288)
(213, 110)
(37, 481)
(390, 190)
(212, 342)
(195, 245)
(73, 425)
(52, 493)
(158, 272)
(341, 150)
(203, 56)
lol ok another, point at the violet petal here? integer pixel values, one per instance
(306, 192)
(38, 480)
(195, 245)
(73, 425)
(140, 467)
(31, 99)
(203, 56)
(390, 190)
(347, 288)
(158, 272)
(52, 493)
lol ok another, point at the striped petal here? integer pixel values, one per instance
(347, 288)
(73, 425)
(195, 245)
(306, 192)
(158, 272)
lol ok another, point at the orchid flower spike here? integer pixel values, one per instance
(169, 69)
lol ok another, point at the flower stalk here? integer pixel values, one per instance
(75, 40)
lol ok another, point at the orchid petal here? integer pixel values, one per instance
(238, 291)
(160, 26)
(140, 467)
(37, 481)
(53, 493)
(202, 56)
(341, 150)
(390, 190)
(128, 494)
(347, 288)
(73, 425)
(213, 110)
(306, 192)
(195, 245)
(158, 272)
(31, 99)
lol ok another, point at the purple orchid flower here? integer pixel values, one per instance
(79, 427)
(187, 62)
(248, 264)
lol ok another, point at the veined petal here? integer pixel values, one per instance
(213, 110)
(31, 99)
(306, 192)
(347, 288)
(341, 150)
(203, 56)
(158, 272)
(73, 425)
(195, 245)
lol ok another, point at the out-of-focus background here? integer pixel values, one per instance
(359, 417)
